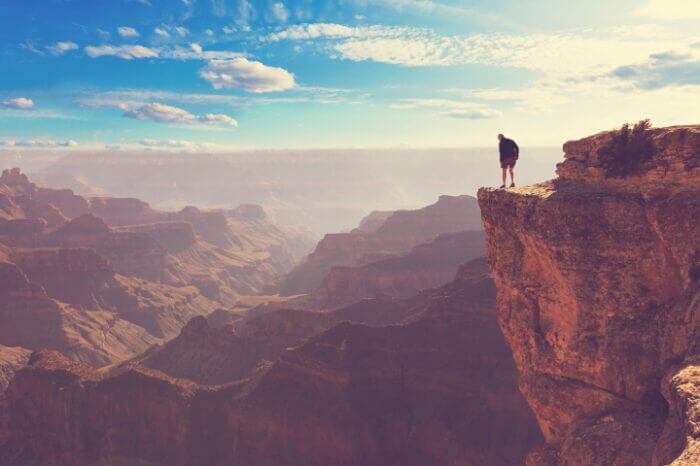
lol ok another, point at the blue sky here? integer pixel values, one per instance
(226, 74)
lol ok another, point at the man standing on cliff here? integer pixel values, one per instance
(509, 152)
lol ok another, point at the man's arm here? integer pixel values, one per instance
(516, 150)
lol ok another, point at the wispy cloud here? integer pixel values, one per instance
(196, 52)
(37, 143)
(168, 114)
(126, 52)
(59, 48)
(459, 109)
(19, 103)
(251, 76)
(566, 52)
(162, 32)
(178, 144)
(139, 97)
(127, 32)
(279, 12)
(339, 31)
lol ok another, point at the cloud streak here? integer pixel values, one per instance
(168, 114)
(127, 52)
(59, 48)
(35, 143)
(18, 103)
(127, 32)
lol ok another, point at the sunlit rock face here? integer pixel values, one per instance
(598, 298)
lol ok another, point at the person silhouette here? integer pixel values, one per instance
(508, 152)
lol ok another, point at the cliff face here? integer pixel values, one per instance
(397, 234)
(426, 266)
(440, 388)
(11, 359)
(598, 299)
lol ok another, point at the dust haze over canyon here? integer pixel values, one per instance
(179, 309)
(324, 191)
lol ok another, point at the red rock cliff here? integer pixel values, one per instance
(598, 299)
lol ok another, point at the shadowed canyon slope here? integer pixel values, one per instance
(102, 279)
(437, 388)
(598, 298)
(379, 237)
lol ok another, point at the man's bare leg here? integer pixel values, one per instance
(512, 180)
(504, 176)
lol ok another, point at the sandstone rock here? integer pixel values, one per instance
(598, 295)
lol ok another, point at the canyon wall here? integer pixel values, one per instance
(437, 387)
(379, 236)
(598, 299)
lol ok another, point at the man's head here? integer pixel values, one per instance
(500, 137)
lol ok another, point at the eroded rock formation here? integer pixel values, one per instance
(439, 388)
(380, 236)
(598, 299)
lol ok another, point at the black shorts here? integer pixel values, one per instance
(505, 163)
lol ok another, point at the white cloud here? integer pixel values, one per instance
(169, 114)
(126, 52)
(161, 32)
(252, 76)
(670, 10)
(59, 48)
(104, 35)
(37, 143)
(181, 31)
(187, 2)
(126, 31)
(217, 118)
(196, 48)
(279, 12)
(569, 53)
(411, 52)
(19, 103)
(209, 32)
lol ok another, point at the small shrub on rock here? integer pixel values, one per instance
(628, 149)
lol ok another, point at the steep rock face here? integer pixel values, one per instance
(175, 236)
(130, 253)
(75, 276)
(599, 301)
(11, 359)
(29, 318)
(426, 266)
(400, 232)
(438, 389)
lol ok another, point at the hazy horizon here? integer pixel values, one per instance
(323, 190)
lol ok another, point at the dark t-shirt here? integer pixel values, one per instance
(508, 149)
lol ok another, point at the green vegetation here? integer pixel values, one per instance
(628, 149)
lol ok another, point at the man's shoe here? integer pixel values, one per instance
(502, 186)
(512, 185)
